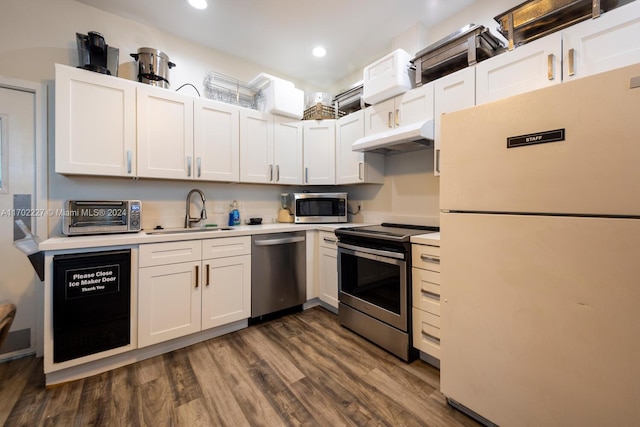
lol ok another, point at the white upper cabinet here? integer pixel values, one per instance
(319, 137)
(216, 141)
(354, 167)
(256, 147)
(528, 67)
(287, 150)
(453, 92)
(95, 132)
(411, 107)
(165, 134)
(602, 44)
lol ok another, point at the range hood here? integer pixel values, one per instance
(411, 137)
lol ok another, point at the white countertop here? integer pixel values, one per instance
(103, 240)
(427, 239)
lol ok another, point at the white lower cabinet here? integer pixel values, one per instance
(185, 287)
(426, 299)
(328, 268)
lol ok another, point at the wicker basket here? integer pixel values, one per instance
(321, 112)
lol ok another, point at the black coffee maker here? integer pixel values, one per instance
(96, 55)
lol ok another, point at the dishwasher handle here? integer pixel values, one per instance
(282, 241)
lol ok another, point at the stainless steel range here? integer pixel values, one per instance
(374, 282)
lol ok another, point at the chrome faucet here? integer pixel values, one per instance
(188, 220)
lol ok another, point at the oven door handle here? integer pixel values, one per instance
(360, 251)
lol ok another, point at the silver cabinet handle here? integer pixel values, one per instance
(197, 276)
(188, 165)
(270, 173)
(572, 60)
(283, 241)
(397, 117)
(277, 173)
(389, 118)
(360, 171)
(550, 66)
(329, 240)
(306, 175)
(432, 260)
(199, 161)
(128, 161)
(438, 160)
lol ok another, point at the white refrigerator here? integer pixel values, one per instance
(540, 258)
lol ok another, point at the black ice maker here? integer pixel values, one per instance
(91, 303)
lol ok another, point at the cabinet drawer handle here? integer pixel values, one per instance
(389, 120)
(270, 173)
(329, 240)
(128, 161)
(397, 117)
(550, 63)
(197, 276)
(430, 294)
(199, 162)
(432, 260)
(207, 275)
(438, 160)
(572, 60)
(430, 337)
(188, 165)
(360, 171)
(306, 175)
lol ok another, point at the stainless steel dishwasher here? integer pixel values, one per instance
(278, 272)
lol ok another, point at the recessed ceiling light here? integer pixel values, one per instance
(198, 4)
(319, 51)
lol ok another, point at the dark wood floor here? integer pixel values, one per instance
(301, 369)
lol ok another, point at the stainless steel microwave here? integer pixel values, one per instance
(309, 208)
(82, 217)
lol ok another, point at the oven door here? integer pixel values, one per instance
(374, 282)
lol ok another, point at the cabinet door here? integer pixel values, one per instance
(531, 66)
(602, 44)
(328, 273)
(319, 152)
(451, 93)
(216, 141)
(415, 105)
(168, 302)
(165, 133)
(287, 151)
(226, 293)
(353, 167)
(256, 146)
(95, 123)
(379, 117)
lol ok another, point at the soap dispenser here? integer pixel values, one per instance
(234, 214)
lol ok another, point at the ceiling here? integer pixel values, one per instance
(280, 34)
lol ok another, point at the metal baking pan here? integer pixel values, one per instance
(467, 46)
(537, 18)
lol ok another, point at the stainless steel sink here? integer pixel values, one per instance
(186, 230)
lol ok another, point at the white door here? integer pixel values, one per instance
(165, 133)
(319, 152)
(602, 44)
(287, 151)
(540, 318)
(256, 146)
(22, 196)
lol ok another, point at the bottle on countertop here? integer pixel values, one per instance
(234, 214)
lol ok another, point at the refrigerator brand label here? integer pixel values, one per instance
(82, 282)
(535, 138)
